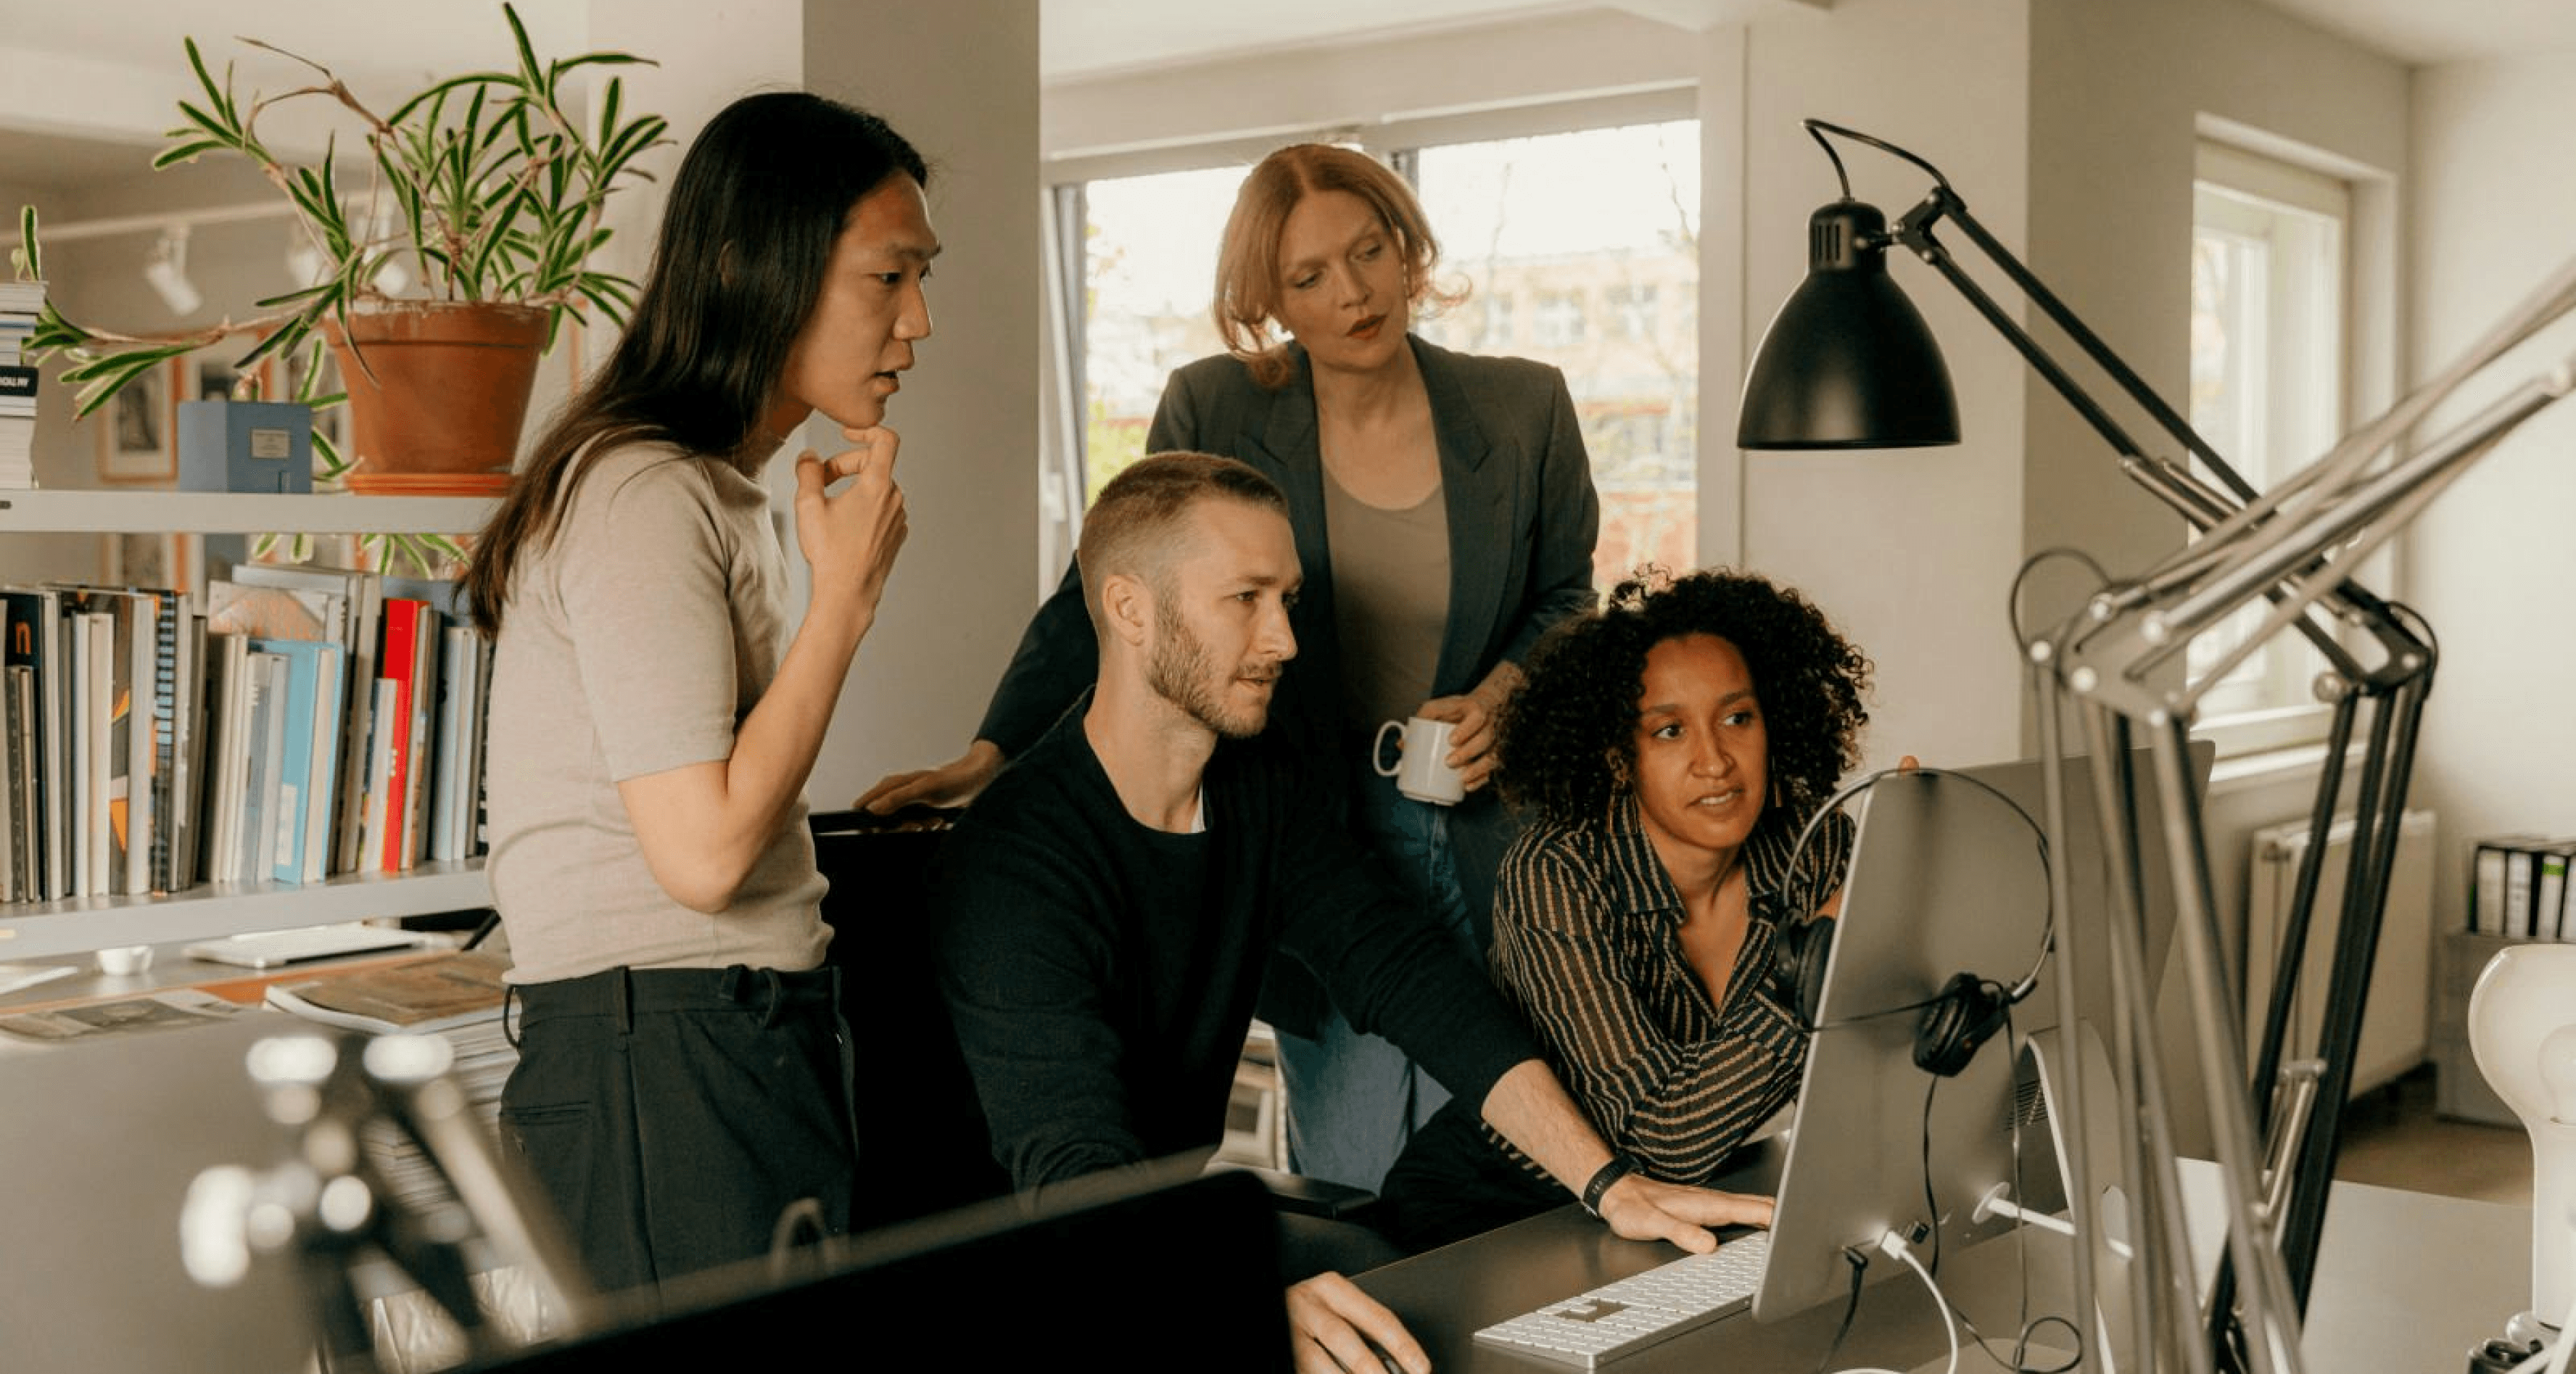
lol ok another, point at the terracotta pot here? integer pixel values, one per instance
(443, 388)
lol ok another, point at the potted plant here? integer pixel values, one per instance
(494, 195)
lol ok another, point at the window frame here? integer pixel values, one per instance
(2281, 720)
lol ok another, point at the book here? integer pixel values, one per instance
(108, 716)
(226, 750)
(35, 641)
(263, 751)
(421, 754)
(93, 642)
(11, 822)
(421, 996)
(380, 770)
(311, 755)
(27, 820)
(398, 662)
(460, 733)
(265, 612)
(362, 614)
(187, 782)
(172, 1010)
(163, 691)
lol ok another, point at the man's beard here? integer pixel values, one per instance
(1179, 671)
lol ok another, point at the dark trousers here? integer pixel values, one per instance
(672, 1115)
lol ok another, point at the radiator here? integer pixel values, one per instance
(2394, 1030)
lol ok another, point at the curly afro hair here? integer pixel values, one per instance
(1572, 731)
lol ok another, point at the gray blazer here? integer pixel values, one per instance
(1523, 517)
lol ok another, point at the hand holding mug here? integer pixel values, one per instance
(1422, 769)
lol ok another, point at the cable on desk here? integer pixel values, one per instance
(1894, 1246)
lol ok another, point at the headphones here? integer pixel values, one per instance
(1965, 1013)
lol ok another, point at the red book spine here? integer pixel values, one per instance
(403, 619)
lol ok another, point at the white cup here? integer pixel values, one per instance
(1422, 771)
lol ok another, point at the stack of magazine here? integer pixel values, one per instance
(455, 995)
(20, 303)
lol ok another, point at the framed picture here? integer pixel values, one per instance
(175, 562)
(210, 377)
(138, 438)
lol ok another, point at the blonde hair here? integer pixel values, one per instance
(1247, 263)
(1135, 523)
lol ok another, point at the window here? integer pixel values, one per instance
(1597, 227)
(1148, 276)
(2267, 384)
(1569, 244)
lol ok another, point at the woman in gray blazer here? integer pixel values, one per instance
(1445, 517)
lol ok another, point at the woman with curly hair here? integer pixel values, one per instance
(1669, 748)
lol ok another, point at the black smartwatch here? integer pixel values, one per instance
(1619, 1167)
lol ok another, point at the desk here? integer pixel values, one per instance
(2405, 1282)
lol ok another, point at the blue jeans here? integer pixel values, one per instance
(1355, 1099)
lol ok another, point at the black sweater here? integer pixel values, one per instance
(1103, 972)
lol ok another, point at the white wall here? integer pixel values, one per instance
(960, 79)
(2492, 564)
(1909, 550)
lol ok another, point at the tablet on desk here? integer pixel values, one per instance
(277, 948)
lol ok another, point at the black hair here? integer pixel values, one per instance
(1572, 731)
(747, 235)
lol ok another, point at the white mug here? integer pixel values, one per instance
(1422, 772)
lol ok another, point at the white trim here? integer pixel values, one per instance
(1652, 103)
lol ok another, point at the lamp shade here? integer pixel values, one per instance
(1848, 361)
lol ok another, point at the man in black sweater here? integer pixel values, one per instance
(1109, 904)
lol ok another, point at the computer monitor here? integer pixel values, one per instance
(1176, 1260)
(1945, 879)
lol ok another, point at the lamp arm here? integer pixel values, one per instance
(2202, 507)
(1943, 203)
(2390, 498)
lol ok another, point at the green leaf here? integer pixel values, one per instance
(437, 95)
(185, 152)
(30, 257)
(530, 75)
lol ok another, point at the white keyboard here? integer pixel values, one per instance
(1616, 1319)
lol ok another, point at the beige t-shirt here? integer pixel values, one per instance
(1390, 601)
(636, 641)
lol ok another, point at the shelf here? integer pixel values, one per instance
(211, 910)
(223, 512)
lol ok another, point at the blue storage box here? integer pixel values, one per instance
(264, 446)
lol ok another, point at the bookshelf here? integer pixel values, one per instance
(39, 930)
(36, 930)
(215, 512)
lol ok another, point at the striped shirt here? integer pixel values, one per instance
(1587, 946)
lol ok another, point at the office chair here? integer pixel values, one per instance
(923, 1147)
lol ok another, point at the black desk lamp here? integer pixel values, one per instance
(1848, 364)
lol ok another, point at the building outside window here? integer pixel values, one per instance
(1559, 322)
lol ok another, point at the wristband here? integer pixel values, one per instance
(1619, 1167)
